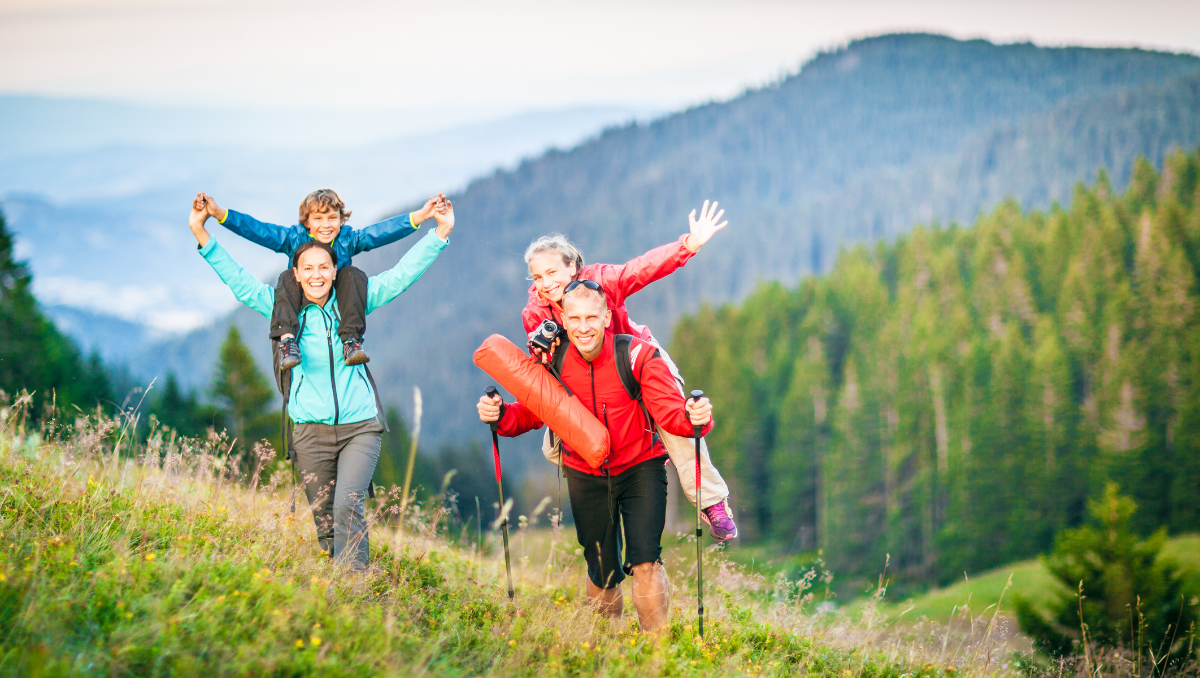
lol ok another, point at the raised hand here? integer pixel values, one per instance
(443, 213)
(426, 211)
(196, 220)
(702, 229)
(214, 210)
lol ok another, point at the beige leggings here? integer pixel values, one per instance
(682, 452)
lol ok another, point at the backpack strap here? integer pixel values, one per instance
(556, 363)
(382, 418)
(621, 346)
(283, 381)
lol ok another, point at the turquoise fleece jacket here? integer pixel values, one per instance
(325, 390)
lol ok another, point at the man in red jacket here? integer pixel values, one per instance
(554, 263)
(629, 489)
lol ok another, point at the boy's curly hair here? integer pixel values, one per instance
(320, 201)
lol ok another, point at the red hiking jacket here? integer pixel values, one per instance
(598, 386)
(619, 282)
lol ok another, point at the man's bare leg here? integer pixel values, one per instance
(607, 602)
(651, 596)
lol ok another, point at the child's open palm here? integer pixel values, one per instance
(705, 227)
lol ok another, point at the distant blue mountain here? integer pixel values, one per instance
(860, 145)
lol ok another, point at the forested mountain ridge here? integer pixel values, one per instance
(804, 166)
(955, 398)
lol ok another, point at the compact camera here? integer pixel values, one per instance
(543, 337)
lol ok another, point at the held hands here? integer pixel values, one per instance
(426, 212)
(443, 213)
(489, 408)
(699, 411)
(702, 229)
(197, 218)
(214, 210)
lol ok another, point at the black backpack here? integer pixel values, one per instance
(283, 381)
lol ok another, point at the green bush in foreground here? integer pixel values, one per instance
(1118, 592)
(158, 562)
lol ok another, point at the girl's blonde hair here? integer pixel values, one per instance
(558, 244)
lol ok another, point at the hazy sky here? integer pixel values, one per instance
(497, 57)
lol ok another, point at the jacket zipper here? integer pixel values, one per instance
(332, 377)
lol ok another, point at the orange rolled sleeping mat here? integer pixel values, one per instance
(534, 387)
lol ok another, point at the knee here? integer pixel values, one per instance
(347, 508)
(648, 572)
(646, 569)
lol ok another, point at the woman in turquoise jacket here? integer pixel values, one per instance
(338, 434)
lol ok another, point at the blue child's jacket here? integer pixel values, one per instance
(349, 242)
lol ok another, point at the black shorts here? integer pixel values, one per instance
(638, 503)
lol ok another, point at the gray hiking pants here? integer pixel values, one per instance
(337, 463)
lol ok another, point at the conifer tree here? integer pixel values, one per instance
(1126, 595)
(240, 388)
(34, 355)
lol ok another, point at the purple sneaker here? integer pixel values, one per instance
(718, 518)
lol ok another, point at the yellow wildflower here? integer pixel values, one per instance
(316, 641)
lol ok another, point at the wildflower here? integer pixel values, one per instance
(3, 578)
(315, 641)
(150, 556)
(300, 644)
(512, 643)
(92, 482)
(129, 615)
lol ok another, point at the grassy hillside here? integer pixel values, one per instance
(1029, 578)
(162, 560)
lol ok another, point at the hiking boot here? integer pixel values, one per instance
(353, 351)
(289, 354)
(718, 518)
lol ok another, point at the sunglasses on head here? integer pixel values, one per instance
(590, 284)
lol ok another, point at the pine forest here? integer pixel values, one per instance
(950, 402)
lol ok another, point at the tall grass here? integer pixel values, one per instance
(162, 556)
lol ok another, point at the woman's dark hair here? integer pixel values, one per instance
(311, 244)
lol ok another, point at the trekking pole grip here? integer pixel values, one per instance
(696, 396)
(491, 393)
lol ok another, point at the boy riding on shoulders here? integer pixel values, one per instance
(323, 217)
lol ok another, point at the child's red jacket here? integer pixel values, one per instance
(619, 282)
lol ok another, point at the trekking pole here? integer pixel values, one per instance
(697, 395)
(491, 393)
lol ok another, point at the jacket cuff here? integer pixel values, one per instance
(208, 247)
(683, 245)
